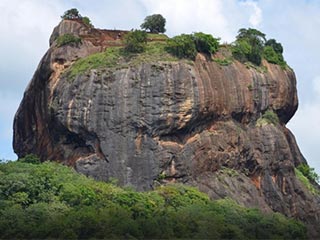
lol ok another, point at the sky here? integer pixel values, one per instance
(27, 25)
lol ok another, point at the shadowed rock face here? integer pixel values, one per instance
(159, 122)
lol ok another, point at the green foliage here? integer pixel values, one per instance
(117, 58)
(68, 39)
(275, 45)
(182, 46)
(206, 43)
(52, 201)
(135, 41)
(223, 61)
(87, 21)
(272, 56)
(187, 45)
(308, 172)
(72, 13)
(109, 58)
(30, 158)
(154, 23)
(306, 182)
(249, 45)
(269, 117)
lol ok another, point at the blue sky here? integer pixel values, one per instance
(26, 27)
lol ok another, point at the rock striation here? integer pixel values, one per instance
(151, 123)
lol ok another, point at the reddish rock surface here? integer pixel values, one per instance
(159, 122)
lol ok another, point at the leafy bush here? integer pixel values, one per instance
(249, 45)
(72, 13)
(182, 46)
(30, 158)
(53, 201)
(136, 41)
(68, 39)
(272, 56)
(306, 182)
(275, 45)
(87, 21)
(308, 172)
(187, 45)
(206, 43)
(269, 117)
(154, 23)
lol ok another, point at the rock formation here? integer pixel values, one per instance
(196, 123)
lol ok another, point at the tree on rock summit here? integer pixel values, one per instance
(154, 23)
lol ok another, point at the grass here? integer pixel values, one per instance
(116, 57)
(223, 62)
(154, 36)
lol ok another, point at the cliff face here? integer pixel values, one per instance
(168, 121)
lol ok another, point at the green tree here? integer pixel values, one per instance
(206, 43)
(30, 158)
(72, 13)
(275, 45)
(154, 23)
(135, 41)
(255, 39)
(182, 46)
(86, 20)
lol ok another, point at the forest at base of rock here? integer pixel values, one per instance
(49, 200)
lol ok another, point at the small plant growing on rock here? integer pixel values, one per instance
(309, 172)
(269, 117)
(68, 39)
(135, 41)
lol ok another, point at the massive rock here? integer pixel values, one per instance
(155, 122)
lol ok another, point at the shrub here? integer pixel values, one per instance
(154, 23)
(274, 56)
(206, 43)
(30, 158)
(182, 46)
(249, 45)
(72, 13)
(306, 182)
(269, 117)
(275, 45)
(87, 21)
(136, 41)
(308, 172)
(68, 39)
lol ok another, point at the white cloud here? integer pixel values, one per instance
(255, 17)
(192, 15)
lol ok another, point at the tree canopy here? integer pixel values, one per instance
(72, 13)
(52, 201)
(154, 23)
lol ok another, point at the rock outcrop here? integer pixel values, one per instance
(150, 123)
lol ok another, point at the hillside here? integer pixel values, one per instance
(151, 119)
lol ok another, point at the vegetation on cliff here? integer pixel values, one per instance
(251, 45)
(53, 201)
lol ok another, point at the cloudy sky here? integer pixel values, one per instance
(26, 26)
